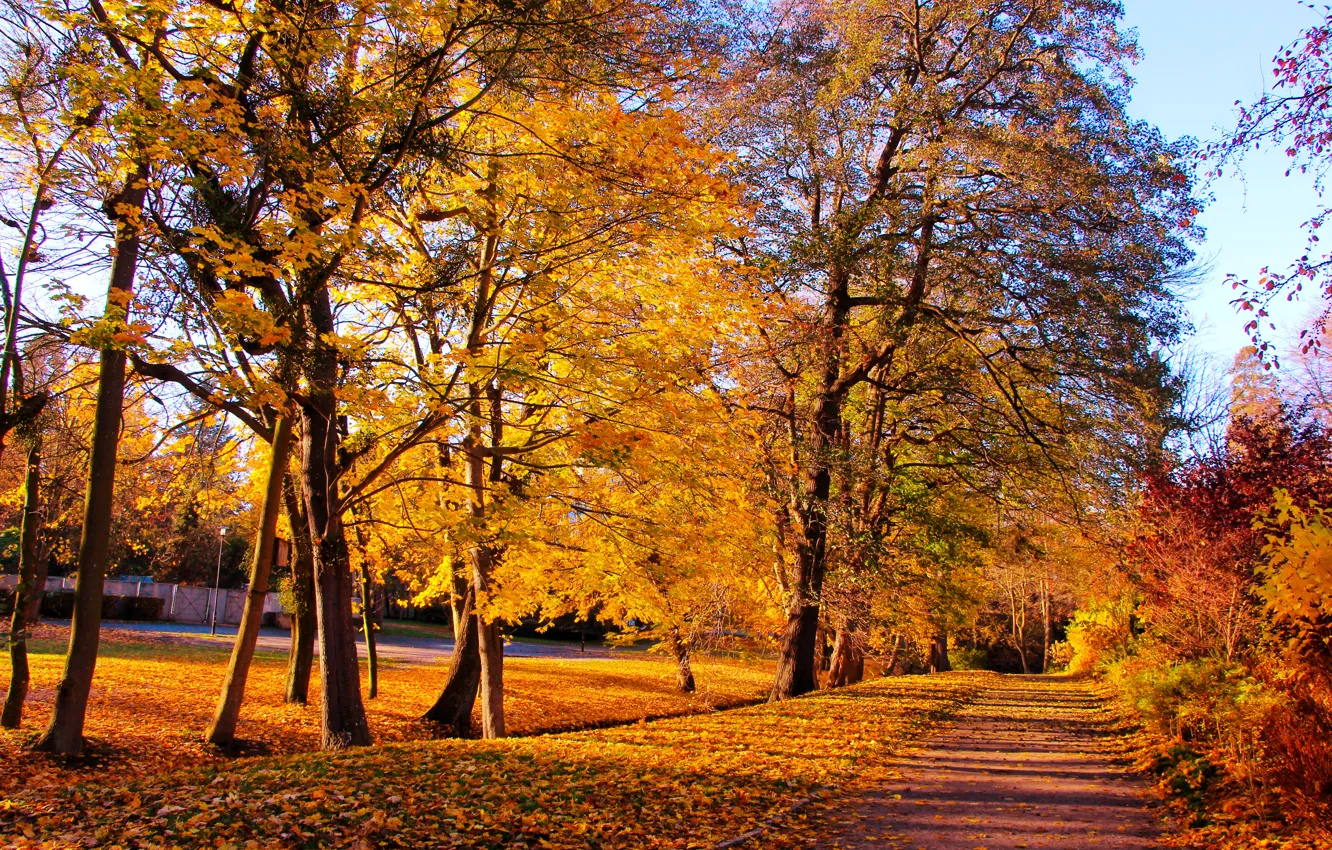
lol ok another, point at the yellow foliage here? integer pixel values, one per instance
(1298, 571)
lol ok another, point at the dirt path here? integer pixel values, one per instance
(1022, 768)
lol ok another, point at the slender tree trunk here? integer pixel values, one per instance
(892, 655)
(12, 715)
(222, 730)
(938, 660)
(343, 715)
(684, 670)
(458, 605)
(300, 657)
(1018, 627)
(368, 627)
(452, 711)
(848, 661)
(490, 644)
(368, 613)
(1045, 623)
(11, 370)
(64, 735)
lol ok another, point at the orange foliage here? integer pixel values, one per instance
(686, 782)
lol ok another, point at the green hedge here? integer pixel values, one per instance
(59, 605)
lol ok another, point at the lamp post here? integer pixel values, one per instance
(217, 581)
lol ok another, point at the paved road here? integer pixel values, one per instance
(411, 650)
(1023, 768)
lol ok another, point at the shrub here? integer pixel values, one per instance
(288, 598)
(115, 607)
(1099, 635)
(967, 659)
(1061, 656)
(144, 608)
(1199, 700)
(58, 604)
(6, 601)
(1297, 743)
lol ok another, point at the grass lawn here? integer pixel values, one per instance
(686, 782)
(414, 629)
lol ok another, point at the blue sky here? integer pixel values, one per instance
(1199, 57)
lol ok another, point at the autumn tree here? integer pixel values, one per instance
(263, 211)
(959, 170)
(669, 538)
(113, 78)
(545, 353)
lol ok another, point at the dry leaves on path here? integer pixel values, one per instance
(680, 783)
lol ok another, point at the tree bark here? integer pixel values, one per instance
(222, 730)
(300, 657)
(796, 669)
(892, 656)
(490, 644)
(938, 660)
(458, 604)
(368, 612)
(343, 715)
(822, 651)
(64, 735)
(1019, 627)
(848, 661)
(12, 714)
(40, 576)
(452, 711)
(684, 670)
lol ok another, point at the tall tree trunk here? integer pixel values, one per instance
(343, 715)
(222, 730)
(452, 711)
(684, 670)
(64, 735)
(848, 661)
(300, 657)
(796, 669)
(795, 664)
(938, 660)
(490, 643)
(12, 715)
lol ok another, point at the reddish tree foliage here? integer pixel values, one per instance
(1197, 551)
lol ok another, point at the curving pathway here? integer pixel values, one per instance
(1023, 767)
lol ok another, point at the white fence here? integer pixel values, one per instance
(183, 603)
